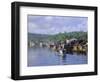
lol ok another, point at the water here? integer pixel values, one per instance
(48, 57)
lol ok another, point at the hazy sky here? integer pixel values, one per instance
(56, 24)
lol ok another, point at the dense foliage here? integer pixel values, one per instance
(58, 37)
(70, 35)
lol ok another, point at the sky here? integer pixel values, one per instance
(43, 24)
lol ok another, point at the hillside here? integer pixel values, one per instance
(57, 37)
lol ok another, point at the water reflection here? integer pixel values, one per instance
(47, 57)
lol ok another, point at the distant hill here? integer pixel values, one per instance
(57, 37)
(37, 37)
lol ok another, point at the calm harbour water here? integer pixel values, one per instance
(48, 57)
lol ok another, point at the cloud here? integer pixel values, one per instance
(31, 27)
(56, 24)
(49, 18)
